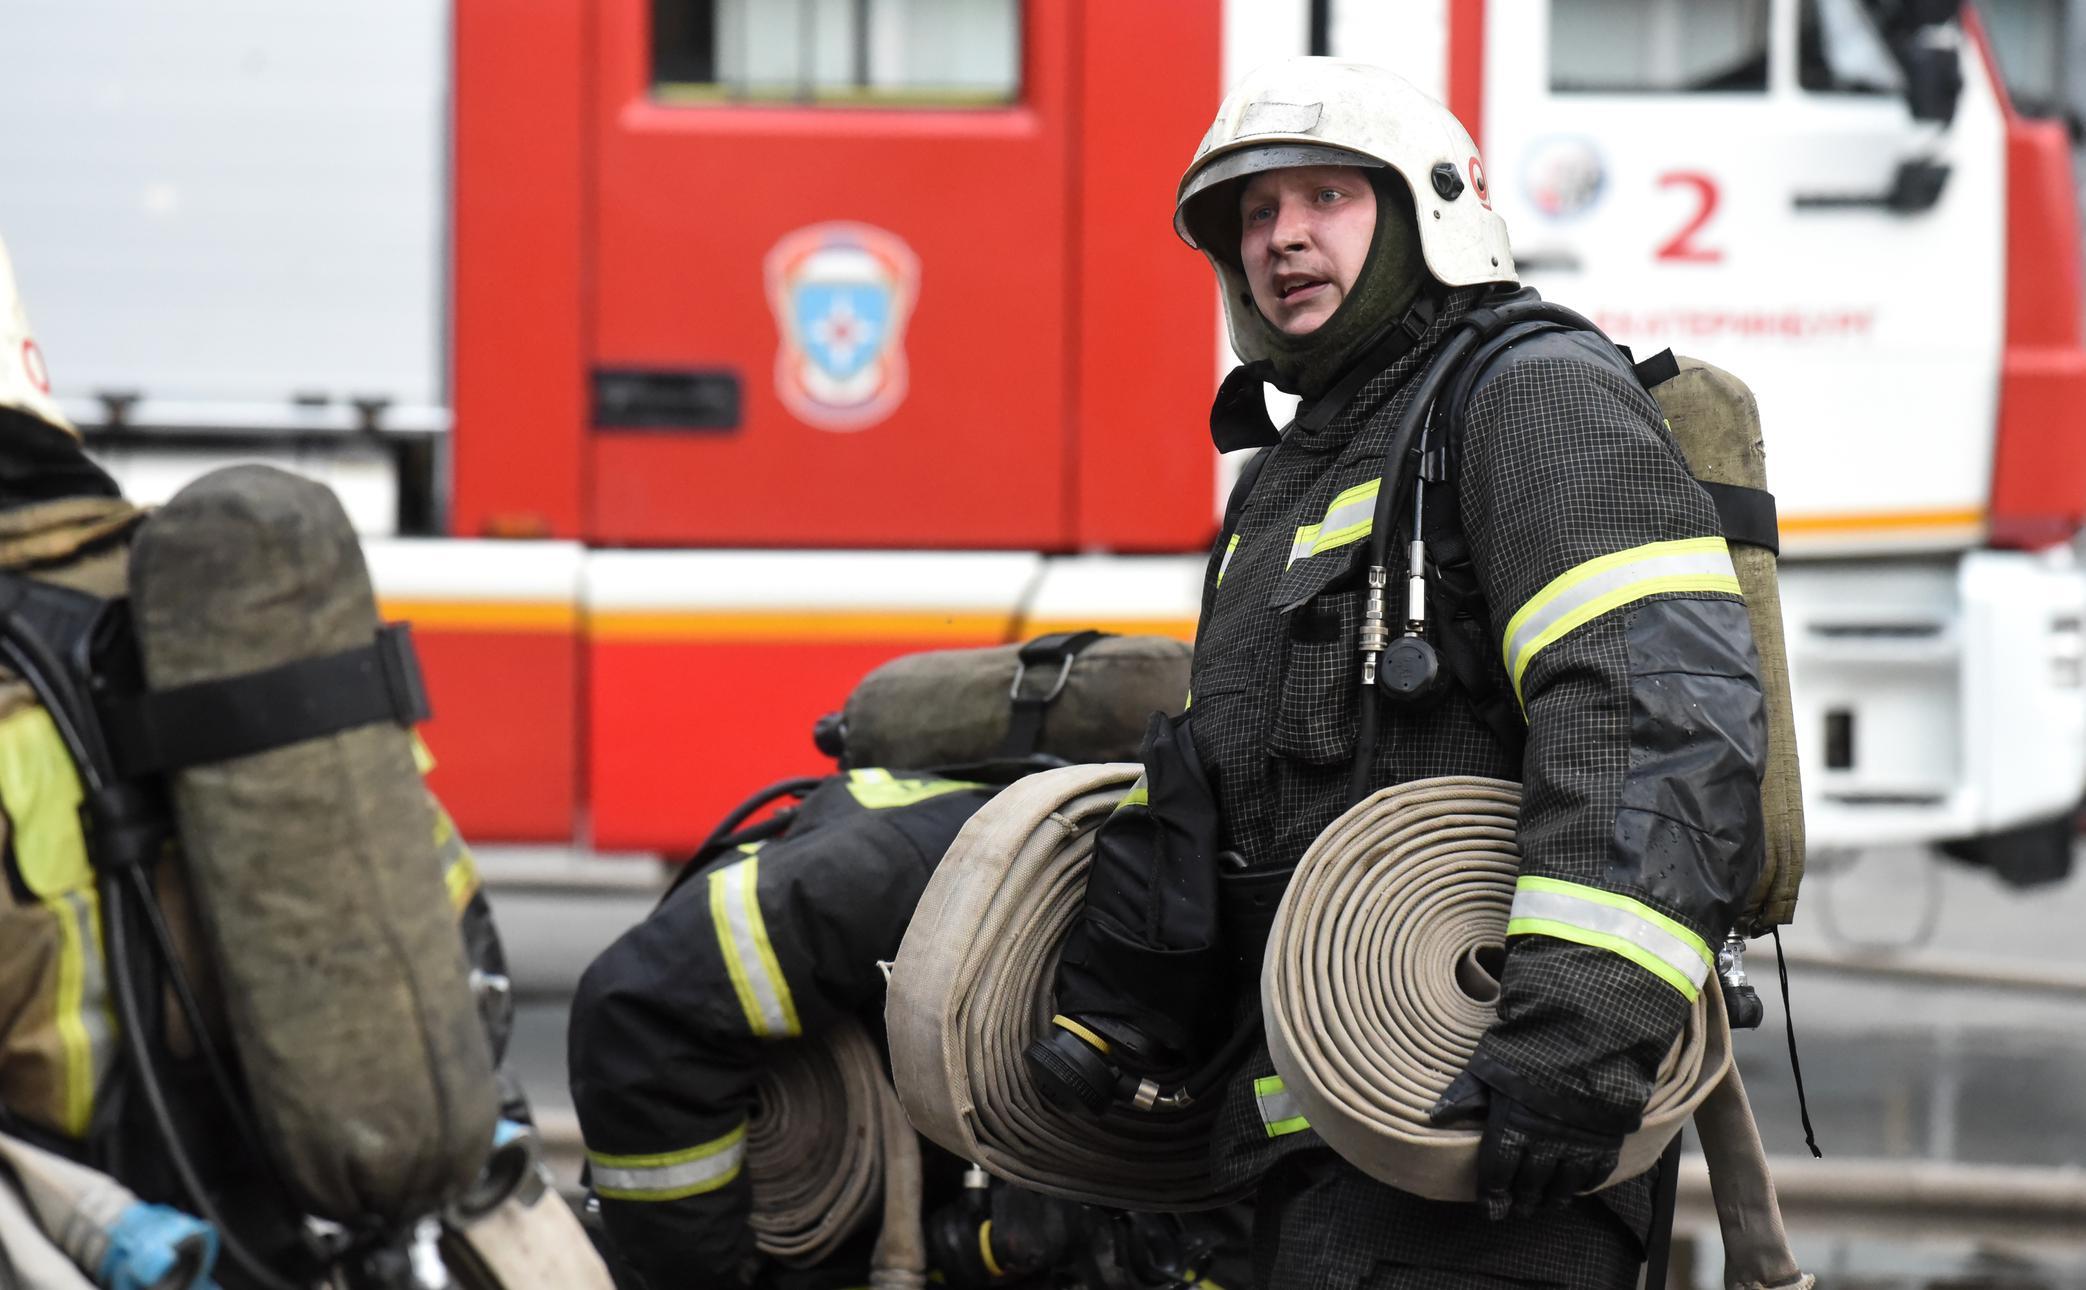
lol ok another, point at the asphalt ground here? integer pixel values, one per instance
(1895, 1069)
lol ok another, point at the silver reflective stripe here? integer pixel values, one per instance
(1609, 582)
(742, 935)
(1300, 546)
(1350, 518)
(670, 1175)
(96, 1016)
(1279, 1112)
(1230, 549)
(1607, 920)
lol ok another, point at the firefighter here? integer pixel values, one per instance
(1347, 220)
(63, 1085)
(760, 942)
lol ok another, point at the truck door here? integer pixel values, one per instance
(828, 243)
(1743, 180)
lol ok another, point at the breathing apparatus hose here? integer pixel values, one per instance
(115, 887)
(1407, 437)
(971, 988)
(813, 1187)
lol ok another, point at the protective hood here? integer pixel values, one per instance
(1322, 111)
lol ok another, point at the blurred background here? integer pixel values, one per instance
(681, 360)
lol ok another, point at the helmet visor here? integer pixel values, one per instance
(1204, 185)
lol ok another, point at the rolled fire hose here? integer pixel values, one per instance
(813, 1188)
(1756, 1248)
(529, 1241)
(971, 987)
(99, 1225)
(1381, 975)
(36, 1264)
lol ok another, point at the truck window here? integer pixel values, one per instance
(884, 53)
(1839, 51)
(1660, 47)
(2029, 40)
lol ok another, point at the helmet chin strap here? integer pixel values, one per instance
(1391, 277)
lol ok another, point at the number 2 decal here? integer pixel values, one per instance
(1682, 246)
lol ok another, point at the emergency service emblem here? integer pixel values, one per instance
(1564, 177)
(841, 293)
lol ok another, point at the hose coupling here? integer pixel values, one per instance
(1741, 1000)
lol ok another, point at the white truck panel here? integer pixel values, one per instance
(1872, 338)
(1955, 683)
(222, 204)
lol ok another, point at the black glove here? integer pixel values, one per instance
(1528, 1160)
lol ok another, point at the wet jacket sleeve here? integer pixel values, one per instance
(1625, 640)
(670, 1025)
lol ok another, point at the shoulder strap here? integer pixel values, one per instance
(1455, 398)
(1744, 514)
(1049, 658)
(45, 632)
(1465, 617)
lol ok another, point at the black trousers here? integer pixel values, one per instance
(1322, 1224)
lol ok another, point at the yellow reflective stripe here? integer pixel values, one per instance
(1350, 517)
(461, 878)
(670, 1175)
(1611, 921)
(880, 790)
(1140, 794)
(1279, 1112)
(86, 1031)
(742, 935)
(459, 866)
(40, 790)
(1584, 593)
(423, 756)
(1230, 548)
(992, 1265)
(1063, 1022)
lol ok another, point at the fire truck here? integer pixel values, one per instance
(685, 359)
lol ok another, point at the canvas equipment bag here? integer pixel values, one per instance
(1070, 696)
(277, 706)
(244, 700)
(1715, 421)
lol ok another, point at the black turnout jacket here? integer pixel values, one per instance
(673, 1023)
(1612, 623)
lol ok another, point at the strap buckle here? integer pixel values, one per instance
(1057, 687)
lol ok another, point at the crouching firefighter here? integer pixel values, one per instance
(1498, 518)
(769, 946)
(231, 975)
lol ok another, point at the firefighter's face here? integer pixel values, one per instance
(1304, 233)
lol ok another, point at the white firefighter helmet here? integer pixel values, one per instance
(25, 383)
(1327, 112)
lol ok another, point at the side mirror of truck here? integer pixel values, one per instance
(1933, 74)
